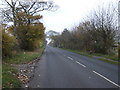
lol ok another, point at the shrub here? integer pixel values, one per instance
(8, 43)
(30, 36)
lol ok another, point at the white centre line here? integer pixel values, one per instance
(80, 64)
(70, 58)
(106, 79)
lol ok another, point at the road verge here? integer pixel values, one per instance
(106, 58)
(16, 69)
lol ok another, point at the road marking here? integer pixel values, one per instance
(106, 79)
(89, 77)
(80, 64)
(70, 58)
(38, 85)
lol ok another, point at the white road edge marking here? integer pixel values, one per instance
(80, 64)
(70, 58)
(106, 79)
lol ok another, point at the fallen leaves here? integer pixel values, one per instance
(26, 72)
(23, 78)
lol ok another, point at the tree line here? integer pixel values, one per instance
(97, 34)
(27, 32)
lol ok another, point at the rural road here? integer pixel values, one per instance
(63, 69)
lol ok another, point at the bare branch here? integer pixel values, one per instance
(31, 6)
(22, 7)
(8, 3)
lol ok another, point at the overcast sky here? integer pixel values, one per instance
(70, 13)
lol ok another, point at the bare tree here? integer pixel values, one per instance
(103, 28)
(30, 7)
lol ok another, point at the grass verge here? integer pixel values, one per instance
(96, 54)
(112, 57)
(117, 63)
(23, 57)
(9, 78)
(81, 53)
(9, 73)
